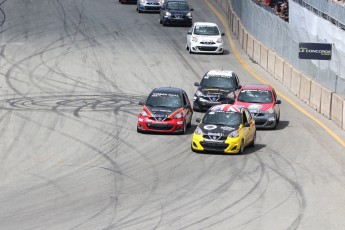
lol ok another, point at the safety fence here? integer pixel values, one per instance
(270, 42)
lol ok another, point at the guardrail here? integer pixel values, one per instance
(319, 97)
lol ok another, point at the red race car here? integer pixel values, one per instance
(261, 101)
(166, 110)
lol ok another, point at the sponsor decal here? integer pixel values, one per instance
(315, 51)
(254, 108)
(210, 127)
(227, 128)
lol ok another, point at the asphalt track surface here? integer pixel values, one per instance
(72, 73)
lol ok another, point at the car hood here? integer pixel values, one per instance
(161, 111)
(216, 130)
(254, 107)
(205, 38)
(179, 12)
(219, 91)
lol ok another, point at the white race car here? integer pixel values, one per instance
(205, 37)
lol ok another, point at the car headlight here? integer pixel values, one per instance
(234, 134)
(219, 40)
(189, 14)
(143, 1)
(194, 39)
(199, 93)
(231, 95)
(178, 115)
(270, 110)
(143, 113)
(167, 14)
(198, 131)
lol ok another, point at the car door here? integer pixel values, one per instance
(187, 107)
(248, 132)
(276, 106)
(189, 35)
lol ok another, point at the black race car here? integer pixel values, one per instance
(176, 12)
(216, 87)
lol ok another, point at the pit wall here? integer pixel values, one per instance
(326, 102)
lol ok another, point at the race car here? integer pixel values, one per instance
(216, 87)
(224, 128)
(149, 5)
(176, 12)
(205, 37)
(166, 110)
(261, 100)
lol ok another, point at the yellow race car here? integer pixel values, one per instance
(224, 128)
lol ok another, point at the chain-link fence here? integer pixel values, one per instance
(280, 37)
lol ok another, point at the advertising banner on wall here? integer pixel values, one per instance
(315, 51)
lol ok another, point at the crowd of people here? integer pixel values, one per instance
(280, 7)
(341, 2)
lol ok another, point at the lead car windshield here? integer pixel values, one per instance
(217, 82)
(226, 118)
(255, 96)
(180, 6)
(206, 30)
(164, 100)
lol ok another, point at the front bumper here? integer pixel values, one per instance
(171, 126)
(149, 7)
(230, 145)
(265, 120)
(171, 20)
(203, 105)
(206, 47)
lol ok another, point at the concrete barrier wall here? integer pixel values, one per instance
(326, 100)
(263, 57)
(250, 45)
(337, 109)
(295, 82)
(279, 69)
(315, 96)
(304, 92)
(271, 62)
(287, 76)
(256, 51)
(318, 97)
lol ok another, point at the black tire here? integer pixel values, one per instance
(241, 147)
(252, 144)
(160, 21)
(184, 128)
(164, 23)
(187, 48)
(190, 50)
(139, 131)
(189, 124)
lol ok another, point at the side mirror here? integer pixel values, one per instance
(239, 87)
(196, 83)
(142, 102)
(278, 102)
(191, 9)
(189, 32)
(222, 34)
(247, 124)
(198, 120)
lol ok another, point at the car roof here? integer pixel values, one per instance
(220, 72)
(205, 24)
(257, 87)
(172, 90)
(227, 107)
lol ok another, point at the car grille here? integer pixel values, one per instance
(152, 7)
(160, 118)
(207, 43)
(159, 126)
(206, 48)
(214, 146)
(178, 16)
(211, 137)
